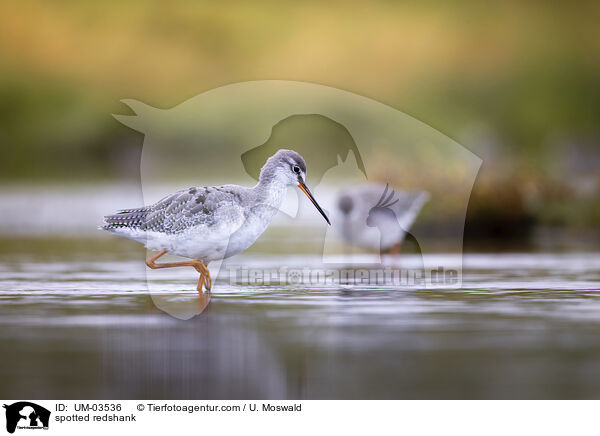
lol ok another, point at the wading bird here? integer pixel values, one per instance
(213, 222)
(376, 216)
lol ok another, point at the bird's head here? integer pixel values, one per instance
(289, 168)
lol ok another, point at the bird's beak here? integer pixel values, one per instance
(305, 189)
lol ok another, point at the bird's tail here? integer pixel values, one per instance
(409, 207)
(128, 218)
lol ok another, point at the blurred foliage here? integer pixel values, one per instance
(516, 82)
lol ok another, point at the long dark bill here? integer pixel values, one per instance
(305, 189)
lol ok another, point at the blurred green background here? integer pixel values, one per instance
(518, 83)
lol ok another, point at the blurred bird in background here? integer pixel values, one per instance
(376, 216)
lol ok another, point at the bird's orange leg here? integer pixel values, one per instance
(395, 249)
(394, 253)
(203, 281)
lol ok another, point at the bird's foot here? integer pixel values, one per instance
(204, 281)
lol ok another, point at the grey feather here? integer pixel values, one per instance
(176, 212)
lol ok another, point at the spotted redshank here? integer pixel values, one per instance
(211, 223)
(376, 216)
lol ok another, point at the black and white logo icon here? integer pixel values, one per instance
(26, 415)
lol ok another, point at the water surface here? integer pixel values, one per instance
(76, 320)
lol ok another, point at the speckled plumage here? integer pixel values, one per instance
(178, 212)
(215, 222)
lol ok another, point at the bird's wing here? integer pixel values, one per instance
(197, 206)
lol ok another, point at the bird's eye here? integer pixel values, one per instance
(296, 169)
